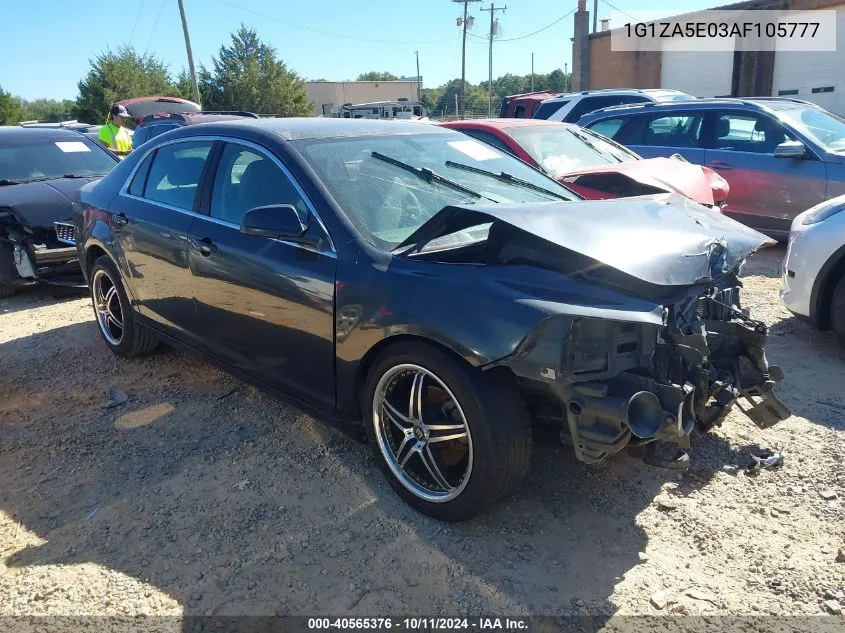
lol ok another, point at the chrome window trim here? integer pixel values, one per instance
(124, 189)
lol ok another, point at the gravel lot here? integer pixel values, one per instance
(202, 495)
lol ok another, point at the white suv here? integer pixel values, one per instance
(812, 282)
(572, 106)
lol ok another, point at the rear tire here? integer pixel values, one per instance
(7, 290)
(7, 271)
(116, 320)
(447, 479)
(837, 310)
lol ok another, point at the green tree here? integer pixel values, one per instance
(183, 86)
(51, 110)
(248, 75)
(120, 75)
(557, 81)
(11, 110)
(375, 75)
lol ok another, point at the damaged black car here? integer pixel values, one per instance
(41, 171)
(438, 293)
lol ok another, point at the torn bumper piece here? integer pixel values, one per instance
(618, 384)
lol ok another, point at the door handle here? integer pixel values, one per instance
(119, 218)
(205, 246)
(719, 164)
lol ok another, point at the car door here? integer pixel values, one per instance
(264, 306)
(665, 134)
(766, 192)
(151, 220)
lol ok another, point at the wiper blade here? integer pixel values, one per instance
(5, 181)
(78, 176)
(424, 173)
(506, 177)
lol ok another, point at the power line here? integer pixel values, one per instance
(522, 37)
(137, 17)
(330, 33)
(620, 11)
(155, 25)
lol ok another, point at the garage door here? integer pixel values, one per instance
(814, 76)
(699, 73)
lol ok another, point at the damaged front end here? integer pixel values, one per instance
(37, 253)
(616, 384)
(643, 335)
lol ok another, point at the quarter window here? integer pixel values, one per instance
(608, 127)
(175, 173)
(247, 179)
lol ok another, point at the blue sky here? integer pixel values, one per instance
(45, 55)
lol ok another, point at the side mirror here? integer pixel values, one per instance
(280, 221)
(791, 149)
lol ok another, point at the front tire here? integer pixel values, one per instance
(452, 441)
(116, 321)
(837, 310)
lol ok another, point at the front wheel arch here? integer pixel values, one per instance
(822, 295)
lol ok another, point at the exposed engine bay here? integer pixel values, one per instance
(36, 253)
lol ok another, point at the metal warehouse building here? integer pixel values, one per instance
(814, 76)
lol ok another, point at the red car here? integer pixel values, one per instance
(592, 165)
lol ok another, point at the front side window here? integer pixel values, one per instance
(741, 132)
(175, 173)
(247, 179)
(44, 158)
(824, 127)
(673, 130)
(388, 202)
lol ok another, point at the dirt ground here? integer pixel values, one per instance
(202, 495)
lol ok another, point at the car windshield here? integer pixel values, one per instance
(389, 186)
(40, 158)
(824, 127)
(561, 149)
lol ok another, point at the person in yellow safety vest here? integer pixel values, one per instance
(114, 133)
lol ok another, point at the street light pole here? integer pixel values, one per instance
(419, 80)
(463, 56)
(190, 54)
(493, 8)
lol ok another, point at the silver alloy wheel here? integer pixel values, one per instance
(107, 306)
(428, 448)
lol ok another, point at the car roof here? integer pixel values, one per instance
(502, 124)
(293, 129)
(17, 134)
(758, 103)
(192, 118)
(611, 91)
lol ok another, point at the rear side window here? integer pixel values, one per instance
(548, 109)
(607, 127)
(591, 104)
(673, 130)
(175, 173)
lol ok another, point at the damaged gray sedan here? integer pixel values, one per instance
(440, 294)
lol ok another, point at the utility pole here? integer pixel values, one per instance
(463, 22)
(493, 8)
(532, 72)
(190, 54)
(566, 76)
(419, 79)
(595, 15)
